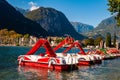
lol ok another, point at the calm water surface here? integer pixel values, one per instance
(9, 70)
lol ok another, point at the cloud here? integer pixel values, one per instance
(33, 6)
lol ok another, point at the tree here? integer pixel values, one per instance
(108, 40)
(58, 40)
(89, 41)
(114, 40)
(97, 40)
(9, 36)
(86, 42)
(26, 36)
(114, 8)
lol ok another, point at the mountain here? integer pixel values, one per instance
(11, 19)
(107, 23)
(106, 26)
(82, 28)
(54, 22)
(22, 11)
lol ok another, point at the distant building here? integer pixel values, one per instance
(101, 44)
(33, 40)
(54, 40)
(28, 41)
(118, 45)
(21, 41)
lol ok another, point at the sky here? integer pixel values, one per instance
(90, 12)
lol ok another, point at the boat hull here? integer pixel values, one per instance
(86, 63)
(108, 58)
(98, 61)
(52, 66)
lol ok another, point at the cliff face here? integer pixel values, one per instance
(11, 19)
(54, 22)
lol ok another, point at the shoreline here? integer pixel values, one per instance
(51, 46)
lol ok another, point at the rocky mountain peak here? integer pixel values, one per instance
(53, 21)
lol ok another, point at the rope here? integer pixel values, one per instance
(49, 64)
(21, 59)
(51, 61)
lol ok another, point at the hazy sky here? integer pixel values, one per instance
(85, 11)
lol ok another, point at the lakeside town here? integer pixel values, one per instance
(54, 41)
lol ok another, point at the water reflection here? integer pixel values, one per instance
(95, 72)
(37, 73)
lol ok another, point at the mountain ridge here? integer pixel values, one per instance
(107, 25)
(53, 21)
(14, 20)
(81, 27)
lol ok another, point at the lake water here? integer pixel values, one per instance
(9, 70)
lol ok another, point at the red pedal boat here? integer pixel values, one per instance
(47, 59)
(81, 57)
